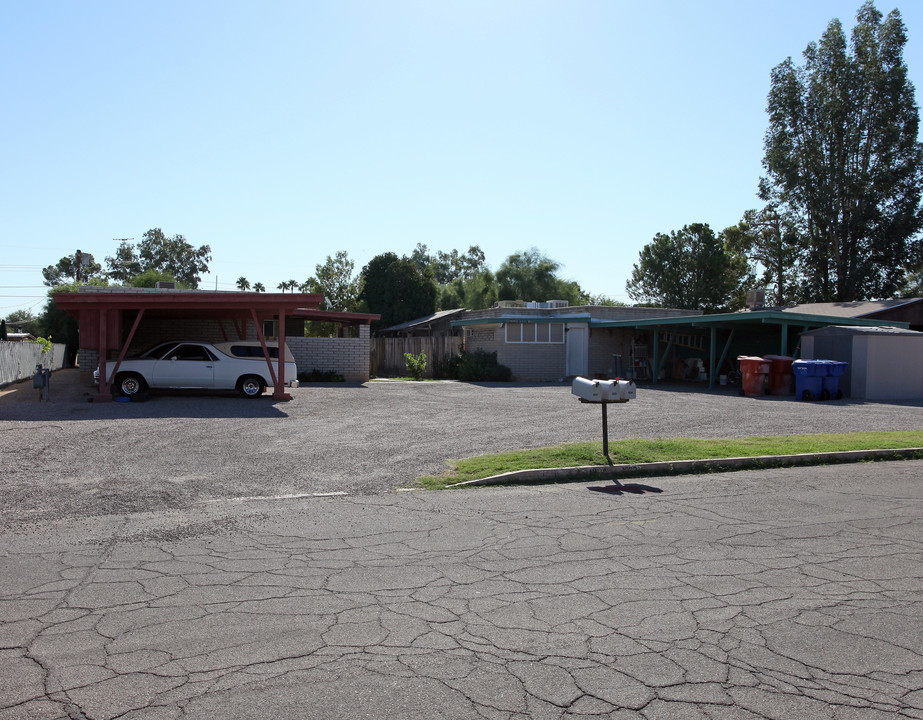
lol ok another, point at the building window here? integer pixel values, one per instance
(535, 333)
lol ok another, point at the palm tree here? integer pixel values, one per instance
(259, 287)
(291, 285)
(282, 286)
(243, 283)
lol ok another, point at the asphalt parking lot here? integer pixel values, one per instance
(198, 557)
(70, 458)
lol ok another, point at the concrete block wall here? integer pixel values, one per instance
(534, 361)
(87, 361)
(528, 361)
(347, 356)
(154, 330)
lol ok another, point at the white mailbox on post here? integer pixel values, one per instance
(604, 392)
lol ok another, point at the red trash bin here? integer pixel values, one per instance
(781, 376)
(753, 372)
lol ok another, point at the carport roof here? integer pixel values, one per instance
(113, 298)
(206, 303)
(754, 317)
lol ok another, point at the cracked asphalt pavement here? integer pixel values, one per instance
(792, 593)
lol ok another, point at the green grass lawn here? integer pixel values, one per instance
(645, 451)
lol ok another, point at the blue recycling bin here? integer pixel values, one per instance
(831, 381)
(809, 378)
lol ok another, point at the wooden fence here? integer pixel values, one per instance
(386, 355)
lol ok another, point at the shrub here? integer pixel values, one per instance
(446, 368)
(482, 366)
(416, 365)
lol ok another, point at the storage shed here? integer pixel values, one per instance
(885, 363)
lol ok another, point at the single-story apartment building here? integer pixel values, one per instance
(550, 341)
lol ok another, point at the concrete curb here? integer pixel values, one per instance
(686, 467)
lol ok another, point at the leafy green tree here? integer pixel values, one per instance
(691, 268)
(173, 255)
(771, 241)
(24, 320)
(474, 293)
(78, 268)
(449, 266)
(397, 289)
(842, 157)
(530, 275)
(149, 279)
(335, 280)
(605, 300)
(125, 264)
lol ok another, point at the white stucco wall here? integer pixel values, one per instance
(18, 359)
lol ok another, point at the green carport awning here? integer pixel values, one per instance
(730, 323)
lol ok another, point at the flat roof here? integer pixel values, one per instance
(754, 317)
(94, 297)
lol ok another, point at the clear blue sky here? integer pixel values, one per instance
(279, 133)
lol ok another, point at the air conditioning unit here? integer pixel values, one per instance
(557, 304)
(165, 285)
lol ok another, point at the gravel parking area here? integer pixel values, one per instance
(71, 458)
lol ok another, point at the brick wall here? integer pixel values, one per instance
(347, 356)
(528, 361)
(534, 361)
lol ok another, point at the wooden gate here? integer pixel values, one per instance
(386, 355)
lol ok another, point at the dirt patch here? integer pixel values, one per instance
(66, 386)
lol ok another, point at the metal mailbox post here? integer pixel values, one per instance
(603, 392)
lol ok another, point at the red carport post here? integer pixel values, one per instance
(103, 394)
(278, 390)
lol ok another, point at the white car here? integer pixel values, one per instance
(237, 366)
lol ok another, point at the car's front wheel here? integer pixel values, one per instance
(130, 384)
(251, 386)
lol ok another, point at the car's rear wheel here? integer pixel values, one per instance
(130, 384)
(251, 386)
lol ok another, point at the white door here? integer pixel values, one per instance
(186, 366)
(576, 340)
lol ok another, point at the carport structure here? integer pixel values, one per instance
(104, 313)
(728, 325)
